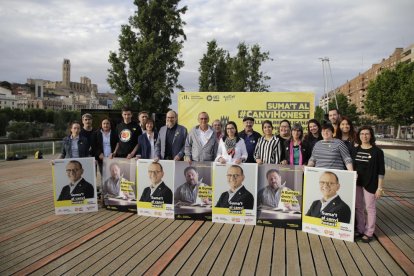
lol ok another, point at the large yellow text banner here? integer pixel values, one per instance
(297, 107)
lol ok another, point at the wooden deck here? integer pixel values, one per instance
(35, 241)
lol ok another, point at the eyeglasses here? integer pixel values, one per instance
(233, 175)
(327, 183)
(203, 118)
(154, 172)
(230, 128)
(72, 170)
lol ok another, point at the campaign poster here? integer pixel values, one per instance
(329, 203)
(279, 197)
(155, 188)
(192, 190)
(234, 193)
(297, 107)
(119, 189)
(74, 182)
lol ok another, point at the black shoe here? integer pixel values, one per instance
(366, 239)
(358, 236)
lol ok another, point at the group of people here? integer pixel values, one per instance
(333, 145)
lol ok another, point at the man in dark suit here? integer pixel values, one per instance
(331, 205)
(171, 139)
(157, 191)
(237, 195)
(78, 188)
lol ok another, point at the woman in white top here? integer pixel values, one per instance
(232, 148)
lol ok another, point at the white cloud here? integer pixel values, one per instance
(37, 35)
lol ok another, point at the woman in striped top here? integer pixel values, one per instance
(269, 147)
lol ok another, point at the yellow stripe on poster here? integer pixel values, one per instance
(228, 211)
(149, 205)
(297, 107)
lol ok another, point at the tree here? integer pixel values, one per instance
(319, 114)
(220, 72)
(391, 95)
(214, 69)
(346, 109)
(145, 70)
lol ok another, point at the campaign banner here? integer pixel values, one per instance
(297, 107)
(279, 197)
(329, 203)
(74, 182)
(234, 193)
(119, 189)
(193, 190)
(155, 188)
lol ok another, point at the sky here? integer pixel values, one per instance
(38, 34)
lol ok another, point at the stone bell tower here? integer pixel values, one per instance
(66, 73)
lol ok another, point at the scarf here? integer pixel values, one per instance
(230, 145)
(291, 161)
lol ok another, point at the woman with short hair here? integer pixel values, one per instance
(74, 146)
(269, 148)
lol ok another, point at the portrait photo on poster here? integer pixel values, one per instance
(192, 184)
(279, 188)
(75, 179)
(329, 194)
(118, 181)
(235, 185)
(155, 181)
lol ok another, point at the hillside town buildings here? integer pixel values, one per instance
(56, 95)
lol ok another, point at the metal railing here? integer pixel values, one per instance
(29, 148)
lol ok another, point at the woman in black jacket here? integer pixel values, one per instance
(370, 167)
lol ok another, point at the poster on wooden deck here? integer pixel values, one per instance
(74, 185)
(119, 190)
(155, 188)
(234, 193)
(329, 203)
(193, 190)
(279, 197)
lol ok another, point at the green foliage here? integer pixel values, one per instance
(391, 95)
(36, 118)
(319, 114)
(346, 109)
(220, 72)
(145, 70)
(23, 130)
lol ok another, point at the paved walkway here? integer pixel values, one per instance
(35, 241)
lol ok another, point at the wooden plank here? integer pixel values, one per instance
(264, 264)
(23, 258)
(188, 250)
(40, 263)
(305, 254)
(115, 254)
(168, 256)
(292, 256)
(128, 265)
(331, 255)
(211, 255)
(279, 253)
(93, 247)
(400, 257)
(345, 257)
(237, 258)
(160, 249)
(318, 254)
(250, 261)
(362, 263)
(392, 266)
(398, 227)
(372, 258)
(198, 255)
(226, 252)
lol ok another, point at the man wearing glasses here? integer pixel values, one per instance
(157, 192)
(330, 207)
(78, 188)
(171, 139)
(237, 196)
(201, 143)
